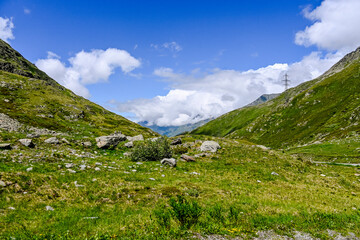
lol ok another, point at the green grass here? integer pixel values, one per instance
(235, 189)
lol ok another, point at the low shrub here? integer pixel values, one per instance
(186, 212)
(152, 150)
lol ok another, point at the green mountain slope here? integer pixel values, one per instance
(325, 108)
(32, 98)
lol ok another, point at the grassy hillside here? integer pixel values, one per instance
(322, 109)
(29, 96)
(241, 190)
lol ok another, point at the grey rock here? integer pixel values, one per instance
(274, 173)
(87, 144)
(154, 139)
(64, 140)
(69, 165)
(209, 146)
(52, 140)
(135, 138)
(27, 142)
(32, 135)
(2, 184)
(71, 171)
(187, 158)
(127, 154)
(97, 169)
(109, 141)
(49, 208)
(129, 144)
(5, 146)
(29, 169)
(169, 161)
(176, 141)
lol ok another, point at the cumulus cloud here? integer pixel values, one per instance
(6, 27)
(87, 68)
(335, 26)
(194, 98)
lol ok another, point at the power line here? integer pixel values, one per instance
(286, 81)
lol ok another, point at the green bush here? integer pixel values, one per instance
(152, 150)
(186, 212)
(163, 216)
(180, 149)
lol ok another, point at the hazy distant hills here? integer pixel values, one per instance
(172, 131)
(325, 108)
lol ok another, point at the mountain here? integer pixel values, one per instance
(325, 108)
(263, 98)
(30, 99)
(172, 131)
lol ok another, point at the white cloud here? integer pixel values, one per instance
(195, 98)
(172, 47)
(335, 26)
(6, 27)
(87, 68)
(27, 11)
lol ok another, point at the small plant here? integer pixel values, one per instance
(152, 150)
(216, 213)
(186, 212)
(234, 213)
(180, 149)
(163, 216)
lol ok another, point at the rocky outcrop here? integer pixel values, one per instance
(209, 146)
(52, 140)
(187, 158)
(110, 140)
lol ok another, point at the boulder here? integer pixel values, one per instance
(4, 146)
(176, 141)
(27, 142)
(110, 140)
(169, 161)
(209, 146)
(52, 140)
(129, 144)
(32, 135)
(187, 158)
(135, 138)
(2, 184)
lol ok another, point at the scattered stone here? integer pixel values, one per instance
(82, 167)
(11, 208)
(52, 140)
(152, 179)
(209, 146)
(69, 165)
(90, 217)
(127, 154)
(274, 173)
(135, 138)
(154, 139)
(129, 144)
(163, 175)
(109, 141)
(94, 180)
(64, 140)
(49, 208)
(27, 142)
(169, 161)
(32, 135)
(98, 164)
(187, 158)
(262, 147)
(134, 170)
(71, 171)
(176, 141)
(97, 169)
(5, 146)
(139, 163)
(2, 184)
(87, 144)
(29, 169)
(77, 185)
(323, 175)
(258, 181)
(194, 173)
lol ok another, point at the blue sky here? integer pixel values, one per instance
(179, 61)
